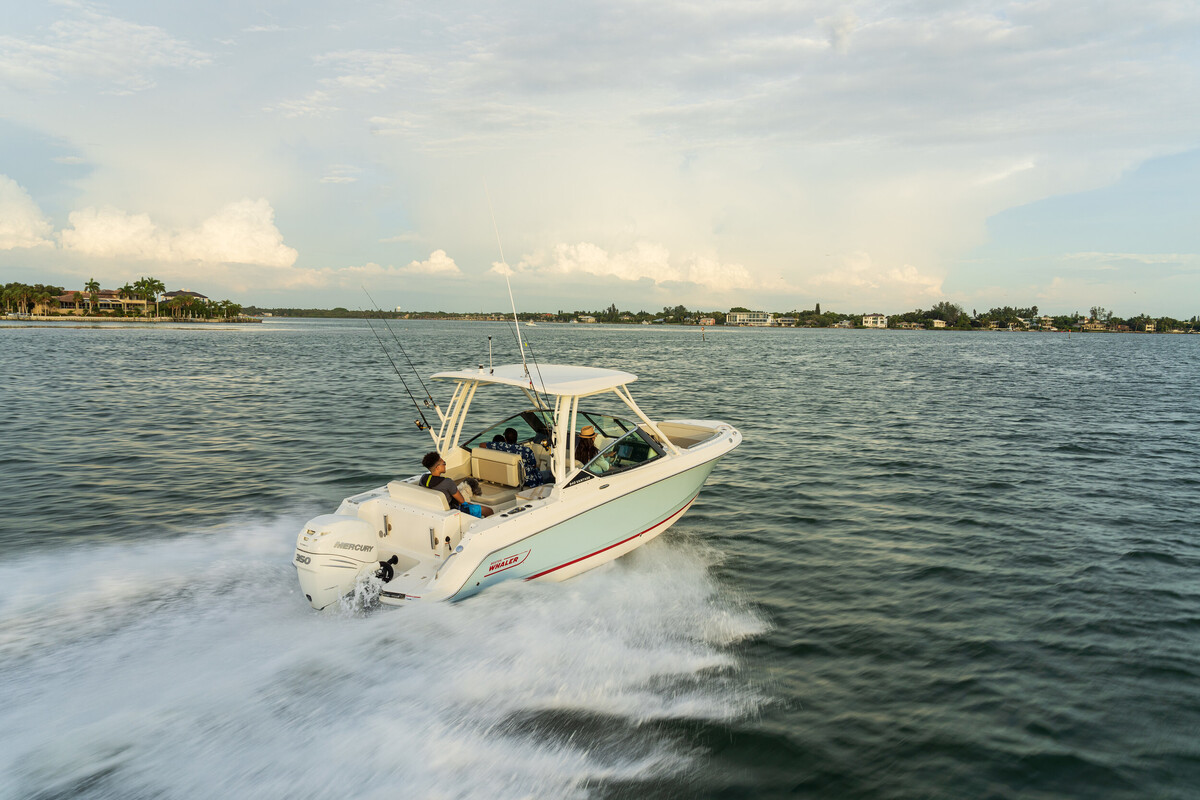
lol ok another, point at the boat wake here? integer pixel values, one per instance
(193, 667)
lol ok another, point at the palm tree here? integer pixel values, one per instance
(126, 292)
(46, 300)
(24, 294)
(93, 287)
(154, 286)
(140, 288)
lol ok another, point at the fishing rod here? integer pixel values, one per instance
(429, 401)
(422, 423)
(516, 322)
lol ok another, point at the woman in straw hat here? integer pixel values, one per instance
(585, 449)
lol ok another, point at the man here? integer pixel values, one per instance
(437, 480)
(533, 476)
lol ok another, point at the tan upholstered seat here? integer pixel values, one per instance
(503, 469)
(418, 496)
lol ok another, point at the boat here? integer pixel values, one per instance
(644, 478)
(530, 324)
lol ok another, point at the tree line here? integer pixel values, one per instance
(43, 299)
(956, 318)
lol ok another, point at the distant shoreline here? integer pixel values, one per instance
(76, 320)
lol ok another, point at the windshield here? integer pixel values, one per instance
(530, 426)
(607, 427)
(631, 450)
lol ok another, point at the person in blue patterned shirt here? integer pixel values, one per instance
(533, 476)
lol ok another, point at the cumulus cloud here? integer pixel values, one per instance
(22, 223)
(438, 263)
(644, 261)
(243, 232)
(93, 45)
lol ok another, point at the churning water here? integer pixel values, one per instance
(940, 565)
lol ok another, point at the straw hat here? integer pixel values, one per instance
(588, 432)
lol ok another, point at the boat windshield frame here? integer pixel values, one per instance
(564, 414)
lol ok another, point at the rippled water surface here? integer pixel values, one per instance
(940, 565)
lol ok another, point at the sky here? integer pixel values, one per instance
(867, 156)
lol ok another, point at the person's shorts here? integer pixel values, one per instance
(474, 509)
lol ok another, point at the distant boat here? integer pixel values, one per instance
(530, 324)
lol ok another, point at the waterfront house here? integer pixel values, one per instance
(939, 323)
(707, 321)
(911, 326)
(785, 322)
(874, 320)
(757, 319)
(80, 302)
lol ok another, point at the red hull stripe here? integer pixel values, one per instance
(618, 544)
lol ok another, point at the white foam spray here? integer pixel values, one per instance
(193, 667)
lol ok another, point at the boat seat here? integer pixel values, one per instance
(492, 495)
(419, 496)
(502, 469)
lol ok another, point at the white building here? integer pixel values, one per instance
(937, 323)
(874, 321)
(760, 319)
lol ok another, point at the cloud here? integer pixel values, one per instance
(22, 223)
(95, 46)
(644, 261)
(243, 232)
(69, 160)
(316, 103)
(410, 236)
(372, 70)
(858, 271)
(1111, 260)
(341, 173)
(438, 264)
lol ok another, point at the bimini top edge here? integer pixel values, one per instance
(552, 379)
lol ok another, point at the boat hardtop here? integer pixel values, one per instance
(560, 506)
(551, 379)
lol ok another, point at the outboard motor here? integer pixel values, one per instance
(331, 551)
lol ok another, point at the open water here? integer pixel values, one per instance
(941, 565)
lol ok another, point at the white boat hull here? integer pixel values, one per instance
(560, 541)
(573, 529)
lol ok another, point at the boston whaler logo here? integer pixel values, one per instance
(501, 564)
(352, 546)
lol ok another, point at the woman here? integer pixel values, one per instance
(585, 449)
